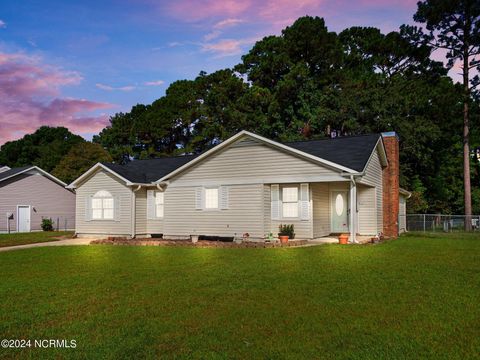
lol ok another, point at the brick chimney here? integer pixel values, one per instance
(391, 185)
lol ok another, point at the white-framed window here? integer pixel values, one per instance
(211, 198)
(290, 202)
(102, 206)
(159, 198)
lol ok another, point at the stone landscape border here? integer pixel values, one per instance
(200, 243)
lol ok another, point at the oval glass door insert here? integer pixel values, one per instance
(339, 204)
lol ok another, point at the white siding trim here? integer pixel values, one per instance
(88, 208)
(224, 201)
(150, 204)
(304, 202)
(116, 208)
(275, 202)
(199, 198)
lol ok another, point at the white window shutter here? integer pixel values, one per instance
(150, 204)
(116, 208)
(304, 202)
(224, 197)
(275, 204)
(159, 210)
(199, 196)
(88, 208)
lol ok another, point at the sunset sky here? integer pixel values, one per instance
(75, 63)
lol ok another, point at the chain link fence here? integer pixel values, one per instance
(438, 222)
(60, 223)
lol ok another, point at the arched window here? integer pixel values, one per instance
(102, 206)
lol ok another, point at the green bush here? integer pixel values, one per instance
(47, 225)
(287, 230)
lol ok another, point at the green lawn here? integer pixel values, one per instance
(31, 237)
(416, 297)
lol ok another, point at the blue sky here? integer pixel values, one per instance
(75, 63)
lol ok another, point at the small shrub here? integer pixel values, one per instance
(287, 230)
(47, 225)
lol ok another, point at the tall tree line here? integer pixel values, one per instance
(296, 85)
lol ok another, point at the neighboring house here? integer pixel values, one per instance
(248, 184)
(28, 194)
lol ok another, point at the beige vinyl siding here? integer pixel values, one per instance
(321, 209)
(47, 199)
(367, 211)
(402, 214)
(373, 177)
(141, 212)
(245, 213)
(247, 162)
(102, 180)
(251, 162)
(303, 228)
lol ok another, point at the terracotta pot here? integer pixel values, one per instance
(343, 239)
(283, 239)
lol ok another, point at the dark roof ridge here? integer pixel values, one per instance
(335, 138)
(155, 158)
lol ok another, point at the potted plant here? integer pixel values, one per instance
(286, 232)
(343, 239)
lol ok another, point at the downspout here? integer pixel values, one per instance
(353, 209)
(134, 215)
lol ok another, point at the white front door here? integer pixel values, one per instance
(23, 219)
(339, 211)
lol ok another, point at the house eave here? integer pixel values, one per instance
(85, 175)
(43, 172)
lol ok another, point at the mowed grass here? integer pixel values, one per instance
(31, 237)
(416, 297)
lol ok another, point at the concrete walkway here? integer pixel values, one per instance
(67, 242)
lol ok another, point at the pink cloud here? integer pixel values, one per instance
(154, 83)
(30, 97)
(227, 23)
(227, 47)
(113, 88)
(235, 12)
(193, 10)
(390, 3)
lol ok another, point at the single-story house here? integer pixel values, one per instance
(28, 194)
(248, 184)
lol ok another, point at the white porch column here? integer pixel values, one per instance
(353, 210)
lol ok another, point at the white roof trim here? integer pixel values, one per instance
(43, 172)
(95, 167)
(262, 139)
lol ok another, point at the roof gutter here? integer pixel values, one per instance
(407, 193)
(357, 174)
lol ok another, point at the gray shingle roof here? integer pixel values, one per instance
(352, 152)
(147, 171)
(12, 172)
